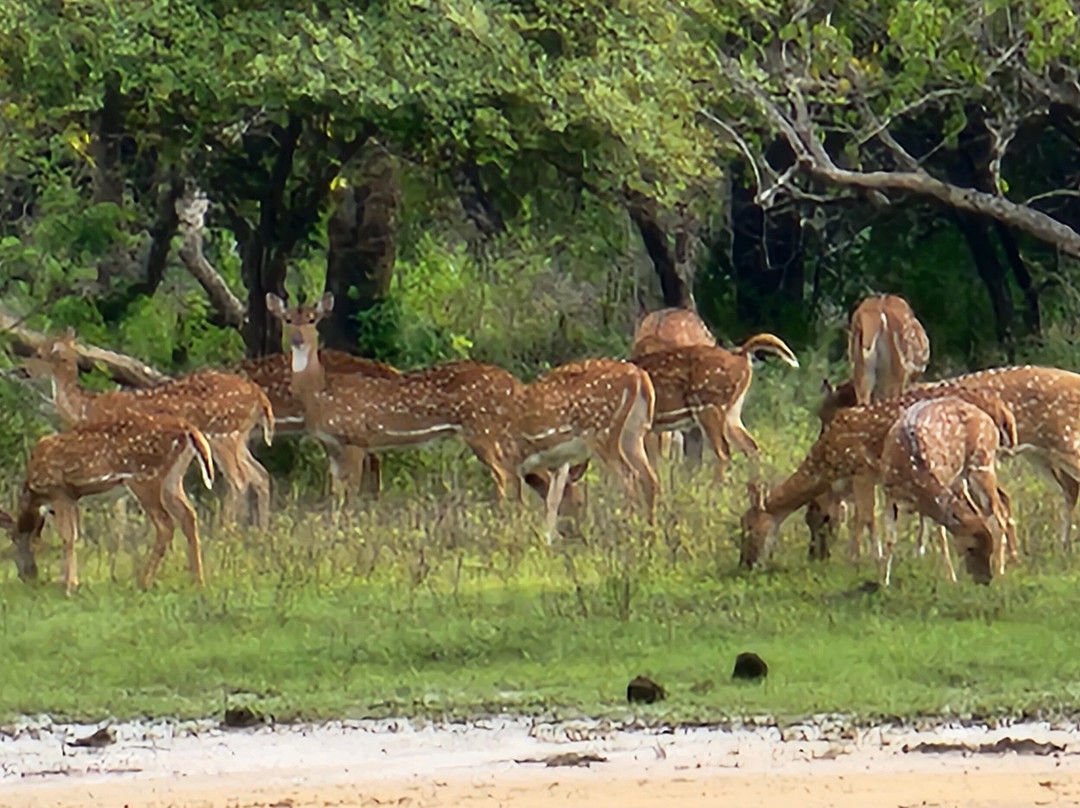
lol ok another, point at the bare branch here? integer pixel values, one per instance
(1049, 194)
(813, 158)
(191, 209)
(123, 369)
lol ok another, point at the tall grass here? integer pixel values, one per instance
(433, 601)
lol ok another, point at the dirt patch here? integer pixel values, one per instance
(404, 764)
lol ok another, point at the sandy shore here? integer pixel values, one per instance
(504, 762)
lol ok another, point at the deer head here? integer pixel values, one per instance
(301, 326)
(758, 527)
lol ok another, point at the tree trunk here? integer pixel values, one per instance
(669, 269)
(363, 245)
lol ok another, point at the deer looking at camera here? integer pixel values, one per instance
(273, 374)
(939, 457)
(850, 446)
(370, 413)
(225, 408)
(145, 452)
(706, 386)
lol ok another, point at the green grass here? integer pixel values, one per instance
(430, 602)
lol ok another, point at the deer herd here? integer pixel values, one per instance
(931, 447)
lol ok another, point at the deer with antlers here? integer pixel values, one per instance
(599, 408)
(273, 374)
(147, 453)
(706, 386)
(939, 457)
(850, 446)
(370, 413)
(225, 408)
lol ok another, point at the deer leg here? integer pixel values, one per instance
(553, 499)
(633, 445)
(150, 496)
(225, 455)
(892, 512)
(920, 538)
(67, 525)
(489, 454)
(1070, 490)
(259, 480)
(744, 441)
(943, 544)
(712, 424)
(862, 489)
(1009, 526)
(654, 447)
(179, 507)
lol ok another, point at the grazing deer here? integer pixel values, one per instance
(663, 330)
(1046, 403)
(224, 407)
(939, 456)
(849, 446)
(273, 374)
(147, 453)
(706, 386)
(599, 408)
(887, 348)
(370, 413)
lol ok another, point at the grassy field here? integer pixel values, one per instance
(431, 602)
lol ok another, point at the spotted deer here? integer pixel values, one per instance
(849, 446)
(663, 330)
(887, 348)
(939, 457)
(147, 453)
(371, 413)
(1046, 402)
(273, 374)
(706, 386)
(225, 408)
(600, 408)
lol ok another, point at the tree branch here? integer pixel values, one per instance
(123, 369)
(191, 211)
(813, 158)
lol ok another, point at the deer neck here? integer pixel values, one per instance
(308, 378)
(69, 398)
(809, 481)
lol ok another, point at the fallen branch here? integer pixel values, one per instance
(191, 209)
(123, 369)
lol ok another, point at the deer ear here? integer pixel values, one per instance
(826, 387)
(275, 305)
(69, 334)
(326, 304)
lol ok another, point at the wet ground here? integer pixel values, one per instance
(526, 763)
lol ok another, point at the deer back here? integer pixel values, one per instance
(670, 328)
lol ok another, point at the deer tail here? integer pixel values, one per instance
(203, 456)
